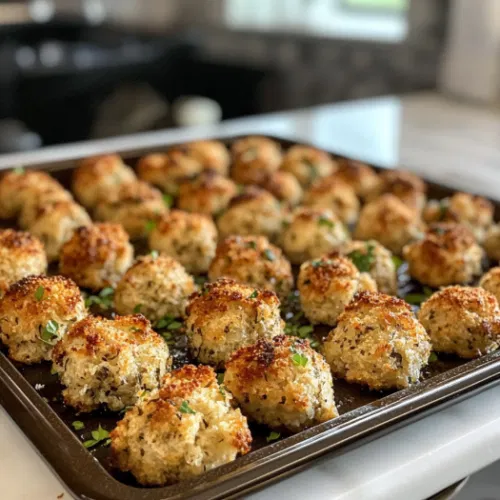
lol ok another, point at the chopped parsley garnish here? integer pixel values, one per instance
(149, 226)
(444, 204)
(285, 223)
(19, 170)
(433, 358)
(104, 300)
(220, 378)
(313, 169)
(299, 359)
(200, 280)
(53, 370)
(154, 254)
(269, 254)
(169, 323)
(39, 293)
(168, 199)
(317, 263)
(49, 332)
(252, 244)
(254, 295)
(185, 408)
(78, 425)
(415, 299)
(273, 436)
(325, 221)
(305, 331)
(137, 308)
(363, 260)
(398, 262)
(100, 436)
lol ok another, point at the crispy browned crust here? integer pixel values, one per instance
(327, 185)
(300, 153)
(313, 214)
(401, 182)
(462, 297)
(389, 209)
(14, 180)
(145, 262)
(95, 166)
(134, 193)
(215, 297)
(208, 181)
(321, 272)
(92, 333)
(354, 172)
(60, 288)
(267, 357)
(178, 219)
(20, 240)
(251, 193)
(378, 300)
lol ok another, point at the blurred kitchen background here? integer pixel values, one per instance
(77, 69)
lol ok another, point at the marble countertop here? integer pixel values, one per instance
(448, 142)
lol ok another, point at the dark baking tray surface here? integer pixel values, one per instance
(31, 395)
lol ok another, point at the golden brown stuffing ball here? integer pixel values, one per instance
(254, 159)
(209, 194)
(157, 286)
(98, 176)
(227, 315)
(21, 255)
(447, 255)
(40, 202)
(213, 155)
(373, 258)
(254, 261)
(327, 285)
(284, 187)
(408, 187)
(96, 256)
(136, 206)
(336, 195)
(168, 170)
(17, 186)
(462, 320)
(492, 242)
(110, 361)
(390, 222)
(56, 224)
(312, 232)
(491, 282)
(473, 211)
(308, 164)
(254, 212)
(378, 342)
(282, 383)
(35, 313)
(187, 428)
(361, 177)
(191, 239)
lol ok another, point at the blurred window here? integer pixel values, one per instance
(383, 20)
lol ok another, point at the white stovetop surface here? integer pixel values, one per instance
(445, 141)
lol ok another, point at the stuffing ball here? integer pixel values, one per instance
(209, 194)
(96, 177)
(491, 282)
(336, 195)
(136, 206)
(373, 258)
(462, 320)
(17, 186)
(156, 286)
(473, 211)
(187, 428)
(361, 177)
(378, 342)
(56, 224)
(96, 256)
(254, 261)
(285, 187)
(408, 187)
(227, 315)
(389, 221)
(254, 212)
(191, 239)
(168, 170)
(21, 255)
(282, 383)
(327, 285)
(213, 155)
(492, 242)
(255, 159)
(109, 362)
(35, 313)
(447, 255)
(40, 202)
(308, 164)
(311, 233)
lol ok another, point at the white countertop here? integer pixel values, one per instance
(448, 142)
